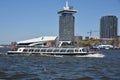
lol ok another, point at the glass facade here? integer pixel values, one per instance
(108, 27)
(66, 27)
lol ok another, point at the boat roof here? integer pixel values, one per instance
(39, 39)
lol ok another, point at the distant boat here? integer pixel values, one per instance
(104, 47)
(1, 46)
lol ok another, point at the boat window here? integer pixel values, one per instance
(43, 50)
(56, 50)
(76, 50)
(31, 50)
(37, 50)
(70, 50)
(63, 50)
(84, 50)
(80, 50)
(49, 50)
(25, 50)
(19, 49)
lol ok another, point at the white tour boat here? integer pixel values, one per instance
(82, 51)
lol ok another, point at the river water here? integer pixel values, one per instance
(60, 68)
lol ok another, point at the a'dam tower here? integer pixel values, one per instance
(66, 23)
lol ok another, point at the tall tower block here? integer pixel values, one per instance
(108, 26)
(66, 23)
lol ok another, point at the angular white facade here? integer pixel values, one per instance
(39, 39)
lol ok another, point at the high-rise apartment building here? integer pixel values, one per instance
(108, 27)
(66, 23)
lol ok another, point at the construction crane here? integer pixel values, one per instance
(90, 32)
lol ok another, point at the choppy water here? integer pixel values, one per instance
(61, 68)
